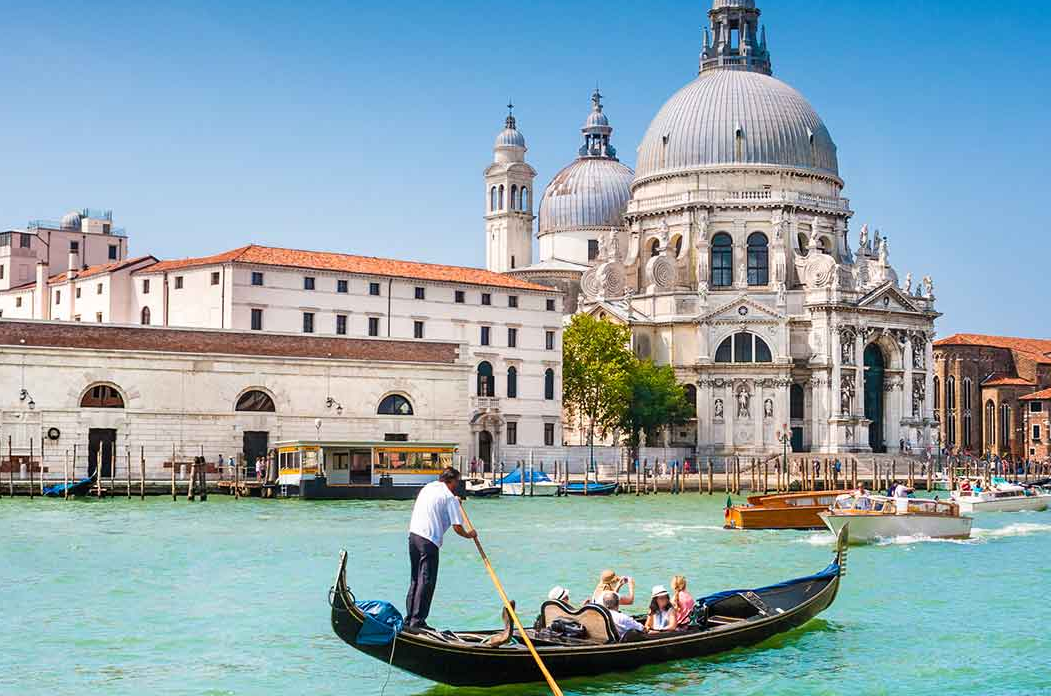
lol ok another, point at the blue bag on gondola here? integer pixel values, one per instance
(383, 621)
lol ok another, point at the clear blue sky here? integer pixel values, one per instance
(365, 126)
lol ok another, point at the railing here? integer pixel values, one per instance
(57, 225)
(762, 196)
(489, 403)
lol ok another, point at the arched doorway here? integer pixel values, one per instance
(875, 366)
(485, 450)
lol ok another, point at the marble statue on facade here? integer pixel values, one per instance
(768, 409)
(908, 283)
(846, 397)
(864, 240)
(928, 287)
(743, 399)
(718, 409)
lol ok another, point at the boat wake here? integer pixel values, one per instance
(817, 539)
(1011, 530)
(662, 529)
(978, 535)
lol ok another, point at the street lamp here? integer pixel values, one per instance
(330, 402)
(784, 436)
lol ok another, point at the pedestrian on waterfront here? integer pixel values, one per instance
(682, 600)
(436, 509)
(610, 582)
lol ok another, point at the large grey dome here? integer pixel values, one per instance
(727, 117)
(71, 221)
(590, 192)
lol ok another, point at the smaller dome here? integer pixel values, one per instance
(592, 192)
(596, 119)
(71, 221)
(510, 137)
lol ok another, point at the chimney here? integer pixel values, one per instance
(43, 297)
(71, 265)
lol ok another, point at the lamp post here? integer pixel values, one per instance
(784, 436)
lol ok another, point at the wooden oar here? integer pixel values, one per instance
(510, 609)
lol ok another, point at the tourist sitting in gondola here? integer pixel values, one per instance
(621, 621)
(661, 618)
(682, 600)
(609, 582)
(559, 594)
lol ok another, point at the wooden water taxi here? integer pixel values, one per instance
(781, 511)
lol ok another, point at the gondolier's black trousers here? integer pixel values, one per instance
(423, 562)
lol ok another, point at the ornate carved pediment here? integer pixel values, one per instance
(741, 310)
(888, 298)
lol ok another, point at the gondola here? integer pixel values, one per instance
(75, 488)
(723, 621)
(591, 489)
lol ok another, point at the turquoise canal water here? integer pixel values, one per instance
(229, 597)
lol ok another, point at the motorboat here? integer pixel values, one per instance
(480, 488)
(531, 483)
(590, 488)
(798, 510)
(1002, 497)
(875, 517)
(721, 622)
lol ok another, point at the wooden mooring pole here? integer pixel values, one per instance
(175, 496)
(127, 454)
(10, 469)
(65, 476)
(142, 472)
(30, 468)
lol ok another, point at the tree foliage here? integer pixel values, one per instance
(656, 401)
(596, 363)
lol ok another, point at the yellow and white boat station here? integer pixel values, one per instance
(347, 469)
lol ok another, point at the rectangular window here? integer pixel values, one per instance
(374, 289)
(459, 297)
(18, 302)
(98, 317)
(342, 286)
(257, 319)
(592, 249)
(549, 340)
(374, 326)
(1036, 433)
(58, 297)
(1036, 407)
(76, 318)
(487, 299)
(215, 277)
(1, 271)
(420, 293)
(550, 305)
(74, 245)
(77, 293)
(512, 433)
(417, 329)
(549, 434)
(145, 286)
(512, 338)
(178, 282)
(512, 301)
(257, 278)
(308, 283)
(113, 252)
(105, 228)
(485, 335)
(341, 324)
(743, 347)
(25, 242)
(98, 289)
(308, 322)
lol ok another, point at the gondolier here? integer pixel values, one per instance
(437, 508)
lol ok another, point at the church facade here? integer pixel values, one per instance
(729, 254)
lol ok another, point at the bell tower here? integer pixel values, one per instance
(509, 201)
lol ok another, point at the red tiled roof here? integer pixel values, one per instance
(348, 263)
(54, 334)
(99, 269)
(1037, 396)
(1007, 381)
(1034, 348)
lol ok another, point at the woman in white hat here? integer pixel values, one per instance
(662, 614)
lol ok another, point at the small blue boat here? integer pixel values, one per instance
(592, 488)
(75, 488)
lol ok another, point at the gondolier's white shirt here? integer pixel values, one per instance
(436, 510)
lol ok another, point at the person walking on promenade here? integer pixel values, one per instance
(436, 509)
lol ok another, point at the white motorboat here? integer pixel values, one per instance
(1002, 497)
(533, 483)
(481, 488)
(875, 517)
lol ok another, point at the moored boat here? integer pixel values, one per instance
(481, 488)
(533, 483)
(781, 511)
(591, 488)
(1002, 497)
(723, 621)
(74, 488)
(875, 517)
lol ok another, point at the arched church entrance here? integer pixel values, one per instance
(875, 367)
(485, 450)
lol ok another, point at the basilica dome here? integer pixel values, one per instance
(734, 116)
(593, 190)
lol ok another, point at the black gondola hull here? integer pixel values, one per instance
(459, 664)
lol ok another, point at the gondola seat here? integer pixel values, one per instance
(595, 619)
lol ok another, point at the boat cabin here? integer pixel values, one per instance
(344, 463)
(882, 505)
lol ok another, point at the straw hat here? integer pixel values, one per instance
(609, 578)
(558, 593)
(659, 590)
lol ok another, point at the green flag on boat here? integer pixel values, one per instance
(729, 502)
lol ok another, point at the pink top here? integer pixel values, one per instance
(686, 604)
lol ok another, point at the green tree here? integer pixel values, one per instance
(656, 401)
(596, 362)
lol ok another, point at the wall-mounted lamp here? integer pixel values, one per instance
(24, 395)
(330, 402)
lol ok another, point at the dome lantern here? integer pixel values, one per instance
(510, 136)
(597, 131)
(736, 42)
